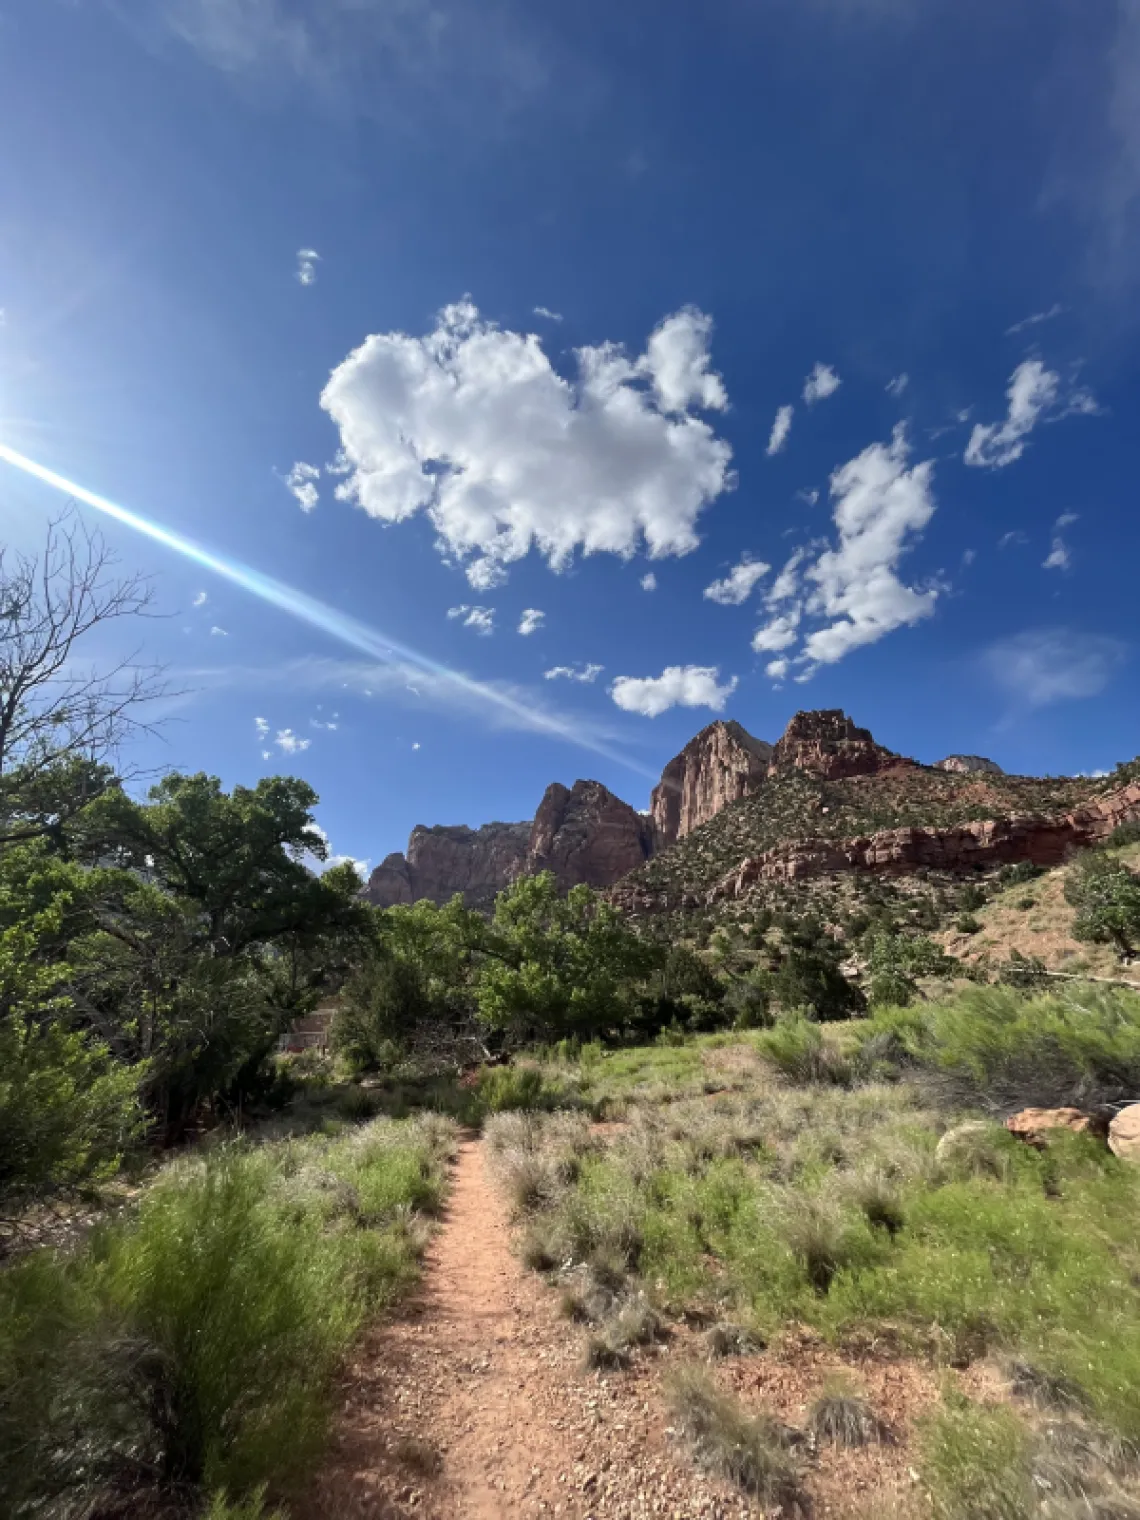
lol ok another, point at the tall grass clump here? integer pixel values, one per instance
(975, 1464)
(190, 1351)
(750, 1450)
(799, 1050)
(995, 1048)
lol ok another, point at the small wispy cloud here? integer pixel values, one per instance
(821, 383)
(481, 619)
(545, 311)
(261, 725)
(1015, 537)
(301, 480)
(899, 384)
(199, 600)
(781, 427)
(219, 633)
(649, 581)
(1045, 665)
(307, 261)
(289, 742)
(531, 621)
(587, 674)
(1059, 556)
(1035, 320)
(738, 585)
(1034, 393)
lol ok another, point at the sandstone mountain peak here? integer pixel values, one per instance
(828, 744)
(969, 765)
(584, 834)
(723, 763)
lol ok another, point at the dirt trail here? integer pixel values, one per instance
(482, 1381)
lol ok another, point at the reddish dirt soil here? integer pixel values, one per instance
(474, 1404)
(482, 1377)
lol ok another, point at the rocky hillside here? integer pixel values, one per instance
(721, 765)
(836, 802)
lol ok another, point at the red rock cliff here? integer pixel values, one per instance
(585, 834)
(721, 765)
(829, 745)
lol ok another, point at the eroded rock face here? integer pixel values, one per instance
(969, 765)
(451, 858)
(1033, 1125)
(829, 745)
(584, 834)
(390, 883)
(964, 847)
(721, 765)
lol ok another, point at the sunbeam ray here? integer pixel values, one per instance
(307, 609)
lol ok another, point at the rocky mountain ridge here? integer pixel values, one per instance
(732, 810)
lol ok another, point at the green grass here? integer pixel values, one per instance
(833, 1206)
(191, 1349)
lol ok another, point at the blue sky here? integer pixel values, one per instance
(418, 307)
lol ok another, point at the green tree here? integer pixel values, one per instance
(555, 967)
(68, 1109)
(808, 973)
(1106, 895)
(895, 962)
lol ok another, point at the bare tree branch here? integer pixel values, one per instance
(62, 725)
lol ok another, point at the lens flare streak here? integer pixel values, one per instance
(307, 609)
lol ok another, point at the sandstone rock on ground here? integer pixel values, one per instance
(1124, 1133)
(1033, 1125)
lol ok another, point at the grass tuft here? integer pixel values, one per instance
(750, 1450)
(842, 1417)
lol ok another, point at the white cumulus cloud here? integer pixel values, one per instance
(472, 425)
(676, 686)
(649, 581)
(781, 427)
(289, 743)
(843, 594)
(585, 673)
(219, 633)
(307, 261)
(261, 725)
(780, 633)
(531, 620)
(777, 669)
(301, 480)
(821, 383)
(482, 619)
(739, 584)
(1059, 556)
(1032, 390)
(199, 600)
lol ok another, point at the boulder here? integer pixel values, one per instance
(1033, 1125)
(969, 765)
(1124, 1133)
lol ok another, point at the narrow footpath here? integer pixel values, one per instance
(474, 1404)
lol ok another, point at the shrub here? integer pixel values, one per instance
(995, 1048)
(968, 924)
(750, 1450)
(191, 1349)
(1124, 834)
(798, 1049)
(732, 1340)
(975, 1464)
